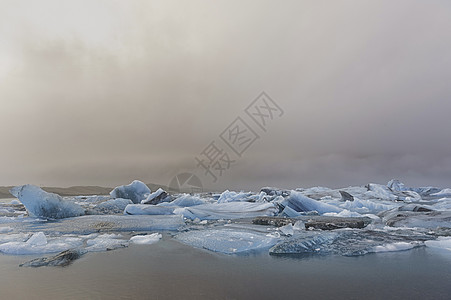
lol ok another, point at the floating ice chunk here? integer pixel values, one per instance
(159, 196)
(227, 241)
(291, 213)
(113, 206)
(379, 191)
(396, 185)
(106, 242)
(39, 244)
(95, 223)
(344, 214)
(228, 196)
(367, 206)
(14, 202)
(441, 242)
(39, 203)
(37, 239)
(15, 237)
(299, 225)
(146, 239)
(287, 229)
(135, 191)
(301, 203)
(148, 209)
(399, 246)
(185, 200)
(230, 210)
(312, 243)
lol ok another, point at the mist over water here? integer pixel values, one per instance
(101, 93)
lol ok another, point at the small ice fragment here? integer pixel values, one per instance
(135, 191)
(287, 229)
(399, 246)
(299, 225)
(37, 239)
(146, 239)
(441, 242)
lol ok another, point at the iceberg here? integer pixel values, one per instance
(39, 244)
(301, 203)
(349, 242)
(159, 196)
(379, 191)
(113, 206)
(101, 223)
(228, 210)
(228, 196)
(396, 185)
(441, 243)
(147, 209)
(186, 200)
(105, 242)
(146, 239)
(227, 241)
(40, 203)
(135, 191)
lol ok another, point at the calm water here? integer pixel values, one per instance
(170, 270)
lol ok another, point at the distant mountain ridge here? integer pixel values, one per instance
(78, 190)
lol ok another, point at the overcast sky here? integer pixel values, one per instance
(103, 92)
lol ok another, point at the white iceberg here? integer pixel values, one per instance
(228, 196)
(379, 191)
(39, 203)
(146, 239)
(160, 196)
(135, 191)
(399, 246)
(105, 242)
(230, 210)
(39, 244)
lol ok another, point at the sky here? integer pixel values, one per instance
(104, 92)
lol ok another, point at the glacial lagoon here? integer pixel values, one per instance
(376, 241)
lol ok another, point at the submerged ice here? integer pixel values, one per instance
(306, 221)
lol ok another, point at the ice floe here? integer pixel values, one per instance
(348, 221)
(39, 203)
(228, 210)
(228, 241)
(135, 191)
(146, 239)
